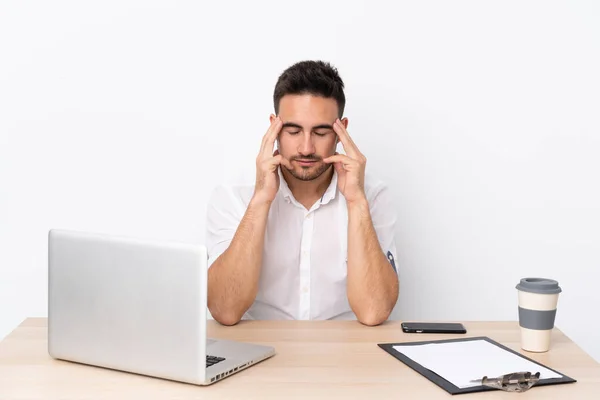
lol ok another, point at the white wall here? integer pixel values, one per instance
(481, 116)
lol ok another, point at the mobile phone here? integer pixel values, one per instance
(433, 327)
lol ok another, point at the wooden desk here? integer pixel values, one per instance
(316, 359)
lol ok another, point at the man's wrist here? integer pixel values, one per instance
(360, 205)
(359, 202)
(259, 202)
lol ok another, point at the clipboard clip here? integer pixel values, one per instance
(516, 382)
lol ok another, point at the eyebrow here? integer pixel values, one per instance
(294, 125)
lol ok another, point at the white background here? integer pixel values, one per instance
(483, 117)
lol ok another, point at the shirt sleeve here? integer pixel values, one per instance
(383, 215)
(224, 213)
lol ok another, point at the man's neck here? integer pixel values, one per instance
(308, 192)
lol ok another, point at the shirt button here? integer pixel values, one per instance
(309, 216)
(305, 289)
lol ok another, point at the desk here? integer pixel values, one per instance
(316, 359)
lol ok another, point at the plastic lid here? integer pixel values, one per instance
(539, 285)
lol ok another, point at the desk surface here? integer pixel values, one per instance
(316, 359)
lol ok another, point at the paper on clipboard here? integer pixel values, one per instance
(462, 362)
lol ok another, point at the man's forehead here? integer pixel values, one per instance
(308, 106)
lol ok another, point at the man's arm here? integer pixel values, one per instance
(233, 277)
(372, 283)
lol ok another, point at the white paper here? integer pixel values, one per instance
(461, 362)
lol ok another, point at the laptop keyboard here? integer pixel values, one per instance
(212, 360)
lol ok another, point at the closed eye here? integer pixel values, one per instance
(322, 133)
(292, 132)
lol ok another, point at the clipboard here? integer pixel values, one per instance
(448, 386)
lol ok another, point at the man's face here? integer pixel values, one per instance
(307, 136)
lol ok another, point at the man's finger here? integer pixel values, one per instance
(263, 143)
(278, 159)
(264, 138)
(349, 146)
(340, 158)
(271, 163)
(339, 168)
(286, 163)
(270, 136)
(267, 143)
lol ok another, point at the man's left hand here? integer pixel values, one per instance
(350, 167)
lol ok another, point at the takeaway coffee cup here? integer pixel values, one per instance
(538, 298)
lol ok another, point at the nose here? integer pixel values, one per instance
(307, 146)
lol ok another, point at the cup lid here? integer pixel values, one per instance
(539, 285)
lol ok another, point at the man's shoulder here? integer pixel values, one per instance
(228, 192)
(380, 198)
(373, 186)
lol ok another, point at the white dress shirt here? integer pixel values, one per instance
(304, 265)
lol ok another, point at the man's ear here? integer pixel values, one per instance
(345, 122)
(272, 117)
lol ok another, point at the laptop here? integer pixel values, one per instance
(137, 306)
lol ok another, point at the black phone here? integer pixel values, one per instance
(433, 327)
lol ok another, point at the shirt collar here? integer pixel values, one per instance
(331, 189)
(283, 186)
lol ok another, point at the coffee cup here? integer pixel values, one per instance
(538, 299)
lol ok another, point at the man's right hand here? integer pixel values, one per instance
(267, 162)
(233, 278)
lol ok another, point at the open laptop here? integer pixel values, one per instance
(137, 306)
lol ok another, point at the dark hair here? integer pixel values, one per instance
(311, 77)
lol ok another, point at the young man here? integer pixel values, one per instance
(312, 239)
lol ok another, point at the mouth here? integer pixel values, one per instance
(305, 163)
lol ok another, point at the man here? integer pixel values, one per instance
(312, 239)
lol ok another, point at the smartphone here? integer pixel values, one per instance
(433, 327)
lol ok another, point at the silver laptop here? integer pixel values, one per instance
(137, 306)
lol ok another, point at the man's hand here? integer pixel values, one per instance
(350, 167)
(372, 283)
(267, 162)
(233, 278)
